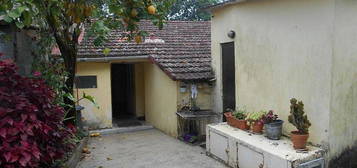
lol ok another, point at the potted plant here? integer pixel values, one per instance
(236, 118)
(229, 117)
(240, 116)
(273, 126)
(256, 121)
(298, 118)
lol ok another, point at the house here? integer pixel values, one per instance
(290, 48)
(149, 80)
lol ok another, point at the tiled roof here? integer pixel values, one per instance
(182, 49)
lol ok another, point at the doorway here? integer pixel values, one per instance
(123, 95)
(228, 76)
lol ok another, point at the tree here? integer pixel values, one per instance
(63, 21)
(191, 10)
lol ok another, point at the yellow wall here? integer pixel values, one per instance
(156, 96)
(102, 117)
(160, 100)
(139, 90)
(203, 97)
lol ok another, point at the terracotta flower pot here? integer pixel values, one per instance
(242, 124)
(257, 127)
(232, 121)
(299, 140)
(229, 118)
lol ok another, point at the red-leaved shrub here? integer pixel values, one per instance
(31, 130)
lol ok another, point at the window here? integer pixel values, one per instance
(86, 82)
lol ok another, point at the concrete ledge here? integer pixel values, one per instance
(122, 130)
(76, 155)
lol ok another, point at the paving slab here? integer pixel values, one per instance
(144, 149)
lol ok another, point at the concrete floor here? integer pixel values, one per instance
(145, 149)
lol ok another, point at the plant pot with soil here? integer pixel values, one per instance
(299, 119)
(273, 126)
(240, 117)
(229, 118)
(256, 122)
(236, 119)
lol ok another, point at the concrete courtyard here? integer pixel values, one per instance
(145, 149)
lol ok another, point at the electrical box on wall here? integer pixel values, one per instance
(241, 149)
(183, 87)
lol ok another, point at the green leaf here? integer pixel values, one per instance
(27, 18)
(7, 19)
(69, 96)
(16, 13)
(106, 51)
(20, 25)
(91, 99)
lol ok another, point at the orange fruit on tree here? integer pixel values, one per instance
(151, 9)
(138, 39)
(134, 13)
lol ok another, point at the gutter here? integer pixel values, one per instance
(108, 59)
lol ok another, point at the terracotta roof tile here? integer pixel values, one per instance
(182, 49)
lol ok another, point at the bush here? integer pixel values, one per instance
(31, 130)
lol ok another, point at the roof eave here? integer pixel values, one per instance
(223, 4)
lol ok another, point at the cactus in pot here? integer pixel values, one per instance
(299, 119)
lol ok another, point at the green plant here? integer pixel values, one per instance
(270, 117)
(297, 116)
(256, 116)
(64, 20)
(32, 133)
(240, 114)
(54, 75)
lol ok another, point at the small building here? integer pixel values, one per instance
(290, 48)
(150, 80)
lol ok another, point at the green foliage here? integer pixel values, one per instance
(190, 10)
(62, 21)
(297, 116)
(240, 114)
(256, 116)
(54, 74)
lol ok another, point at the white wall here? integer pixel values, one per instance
(343, 117)
(283, 50)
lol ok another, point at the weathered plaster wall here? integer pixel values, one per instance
(203, 96)
(283, 49)
(139, 90)
(19, 47)
(343, 117)
(160, 100)
(102, 117)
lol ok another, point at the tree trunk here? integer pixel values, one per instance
(70, 65)
(69, 55)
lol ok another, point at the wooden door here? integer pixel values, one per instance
(228, 76)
